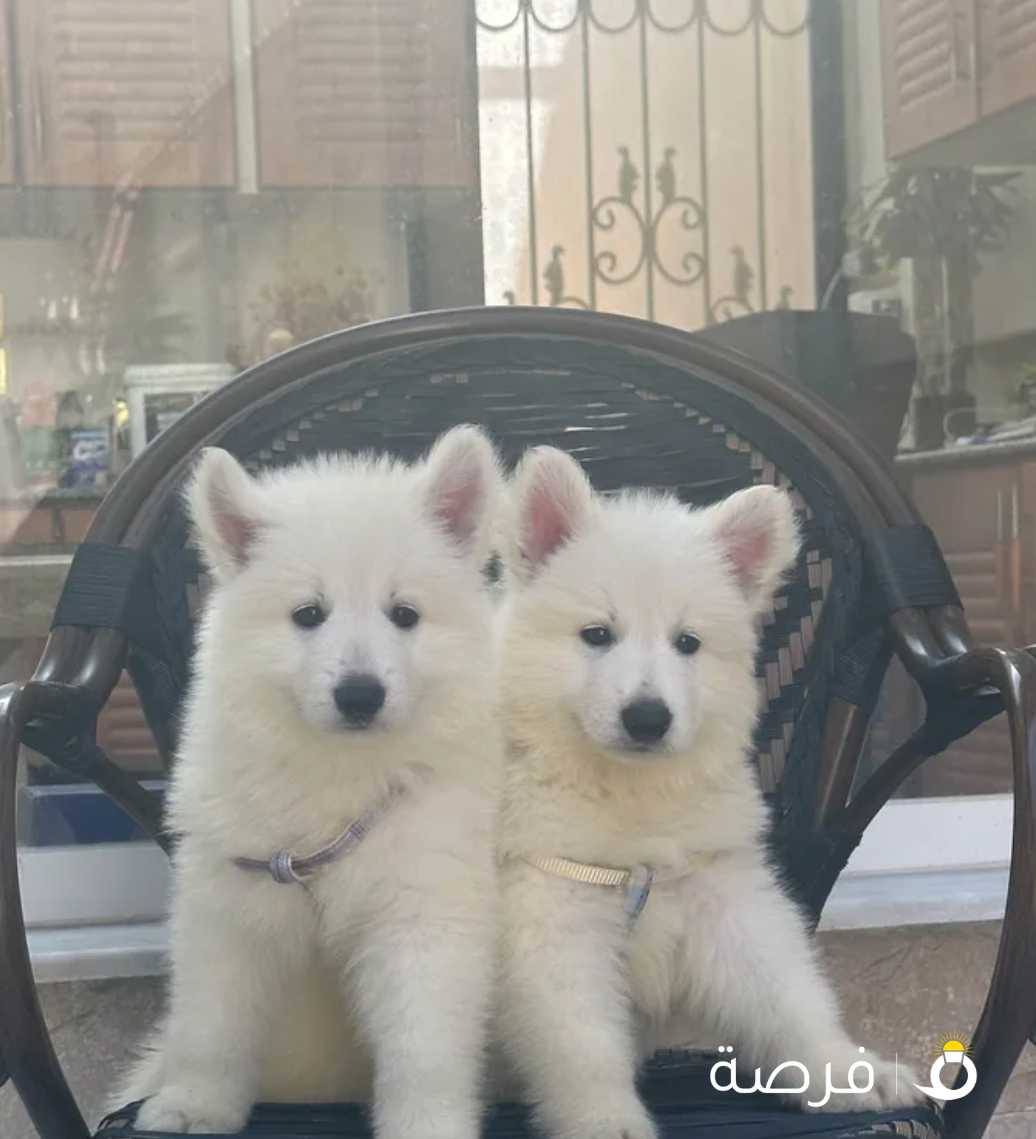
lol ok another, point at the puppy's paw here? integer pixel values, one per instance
(186, 1111)
(426, 1116)
(893, 1086)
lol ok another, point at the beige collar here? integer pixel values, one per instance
(636, 881)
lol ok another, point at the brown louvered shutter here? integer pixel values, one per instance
(928, 59)
(1007, 42)
(6, 102)
(372, 93)
(125, 91)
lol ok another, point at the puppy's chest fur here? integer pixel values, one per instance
(697, 834)
(626, 816)
(656, 947)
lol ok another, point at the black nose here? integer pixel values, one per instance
(359, 698)
(646, 721)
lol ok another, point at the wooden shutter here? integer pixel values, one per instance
(364, 93)
(6, 102)
(1007, 45)
(125, 91)
(979, 516)
(928, 62)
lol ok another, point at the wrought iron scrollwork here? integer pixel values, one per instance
(606, 215)
(693, 264)
(546, 16)
(610, 213)
(554, 281)
(685, 210)
(690, 216)
(738, 301)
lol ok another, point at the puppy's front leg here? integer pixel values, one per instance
(753, 972)
(229, 965)
(566, 1019)
(420, 981)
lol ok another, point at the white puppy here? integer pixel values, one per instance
(345, 671)
(630, 701)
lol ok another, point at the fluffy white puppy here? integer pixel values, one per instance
(344, 674)
(630, 701)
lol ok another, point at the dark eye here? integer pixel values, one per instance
(687, 643)
(598, 636)
(309, 616)
(404, 616)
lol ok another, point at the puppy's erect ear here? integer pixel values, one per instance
(757, 534)
(223, 501)
(463, 488)
(552, 500)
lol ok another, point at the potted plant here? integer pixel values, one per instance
(941, 219)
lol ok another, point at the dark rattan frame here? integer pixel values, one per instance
(57, 708)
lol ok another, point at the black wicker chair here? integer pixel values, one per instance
(637, 404)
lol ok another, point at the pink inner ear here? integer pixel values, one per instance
(456, 507)
(238, 533)
(746, 550)
(545, 527)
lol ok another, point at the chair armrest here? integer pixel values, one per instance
(24, 1041)
(1009, 1016)
(966, 688)
(74, 749)
(84, 666)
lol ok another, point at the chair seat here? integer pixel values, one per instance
(675, 1086)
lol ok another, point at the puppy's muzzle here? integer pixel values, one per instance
(360, 698)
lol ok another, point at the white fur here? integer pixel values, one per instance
(720, 955)
(378, 972)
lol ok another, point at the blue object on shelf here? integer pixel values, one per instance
(65, 814)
